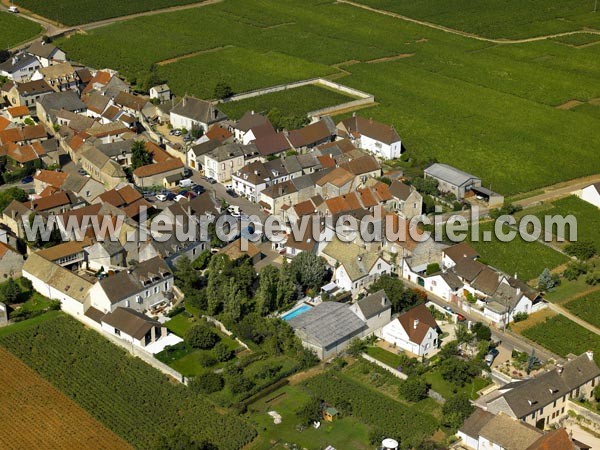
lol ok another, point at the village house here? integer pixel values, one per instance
(195, 154)
(46, 53)
(354, 267)
(375, 310)
(251, 179)
(61, 76)
(20, 67)
(96, 104)
(141, 287)
(274, 197)
(192, 113)
(451, 180)
(544, 399)
(415, 331)
(70, 254)
(57, 283)
(101, 167)
(131, 104)
(222, 162)
(252, 126)
(13, 216)
(406, 200)
(156, 174)
(132, 326)
(379, 139)
(57, 202)
(18, 114)
(28, 93)
(162, 93)
(272, 145)
(48, 106)
(106, 255)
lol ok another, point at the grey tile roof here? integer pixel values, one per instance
(475, 422)
(374, 304)
(327, 324)
(130, 322)
(17, 62)
(67, 100)
(198, 110)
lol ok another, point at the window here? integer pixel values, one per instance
(127, 303)
(139, 299)
(117, 332)
(147, 294)
(156, 289)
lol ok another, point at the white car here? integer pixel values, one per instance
(179, 198)
(161, 197)
(13, 9)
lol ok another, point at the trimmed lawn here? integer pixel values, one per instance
(526, 259)
(179, 324)
(563, 336)
(346, 433)
(386, 357)
(16, 29)
(567, 290)
(293, 102)
(447, 390)
(587, 308)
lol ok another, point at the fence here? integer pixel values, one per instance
(224, 329)
(391, 370)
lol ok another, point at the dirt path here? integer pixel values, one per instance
(191, 55)
(557, 191)
(299, 377)
(390, 58)
(574, 318)
(464, 33)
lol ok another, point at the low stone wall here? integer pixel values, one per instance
(588, 415)
(391, 370)
(224, 329)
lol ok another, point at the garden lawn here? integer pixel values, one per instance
(346, 433)
(386, 357)
(563, 336)
(587, 308)
(75, 12)
(16, 29)
(526, 259)
(293, 102)
(487, 109)
(512, 19)
(29, 323)
(447, 389)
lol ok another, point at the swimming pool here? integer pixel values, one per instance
(295, 312)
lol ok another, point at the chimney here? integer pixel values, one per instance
(383, 300)
(590, 355)
(515, 277)
(559, 368)
(415, 323)
(252, 112)
(215, 113)
(354, 114)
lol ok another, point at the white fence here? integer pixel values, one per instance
(391, 370)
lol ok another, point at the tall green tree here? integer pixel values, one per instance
(266, 296)
(139, 155)
(310, 270)
(286, 286)
(10, 291)
(185, 274)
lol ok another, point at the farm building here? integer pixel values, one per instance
(452, 180)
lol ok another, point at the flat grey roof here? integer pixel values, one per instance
(449, 174)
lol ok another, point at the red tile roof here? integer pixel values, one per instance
(158, 168)
(425, 320)
(51, 177)
(18, 111)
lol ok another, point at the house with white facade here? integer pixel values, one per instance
(415, 331)
(354, 267)
(161, 92)
(379, 139)
(375, 310)
(20, 67)
(47, 53)
(192, 113)
(132, 326)
(591, 194)
(252, 126)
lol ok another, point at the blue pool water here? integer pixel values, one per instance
(295, 312)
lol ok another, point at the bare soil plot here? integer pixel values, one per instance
(35, 415)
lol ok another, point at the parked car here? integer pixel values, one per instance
(161, 197)
(231, 193)
(187, 172)
(185, 183)
(170, 196)
(211, 180)
(489, 358)
(13, 9)
(190, 195)
(28, 179)
(198, 189)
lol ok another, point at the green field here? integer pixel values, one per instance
(389, 358)
(587, 215)
(132, 399)
(499, 18)
(485, 108)
(16, 30)
(578, 40)
(447, 389)
(243, 69)
(526, 259)
(587, 308)
(563, 336)
(74, 12)
(293, 102)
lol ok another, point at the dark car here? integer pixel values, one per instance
(198, 189)
(187, 172)
(211, 180)
(190, 195)
(184, 192)
(170, 196)
(28, 179)
(231, 193)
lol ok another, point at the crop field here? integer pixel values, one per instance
(134, 400)
(587, 215)
(75, 12)
(293, 102)
(587, 308)
(487, 109)
(526, 259)
(512, 19)
(243, 69)
(578, 40)
(15, 30)
(563, 336)
(40, 416)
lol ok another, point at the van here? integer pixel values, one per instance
(185, 183)
(13, 9)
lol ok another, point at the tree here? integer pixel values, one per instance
(207, 383)
(394, 290)
(356, 347)
(574, 270)
(414, 389)
(10, 291)
(177, 440)
(287, 291)
(266, 296)
(185, 273)
(462, 333)
(432, 268)
(481, 331)
(222, 90)
(223, 352)
(546, 281)
(310, 411)
(456, 410)
(4, 55)
(310, 270)
(597, 393)
(428, 186)
(582, 250)
(10, 194)
(139, 155)
(201, 336)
